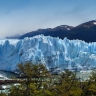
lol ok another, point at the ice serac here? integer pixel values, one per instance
(54, 52)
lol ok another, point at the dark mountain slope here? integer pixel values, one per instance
(85, 31)
(59, 31)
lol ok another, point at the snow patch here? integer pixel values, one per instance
(95, 23)
(68, 28)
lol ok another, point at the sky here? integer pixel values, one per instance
(22, 16)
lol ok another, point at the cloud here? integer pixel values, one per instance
(33, 17)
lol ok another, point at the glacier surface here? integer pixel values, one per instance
(54, 52)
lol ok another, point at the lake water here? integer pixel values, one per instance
(6, 74)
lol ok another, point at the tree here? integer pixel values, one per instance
(89, 86)
(92, 85)
(3, 94)
(69, 85)
(35, 80)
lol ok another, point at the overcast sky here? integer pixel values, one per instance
(21, 16)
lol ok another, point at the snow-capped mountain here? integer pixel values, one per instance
(85, 31)
(53, 52)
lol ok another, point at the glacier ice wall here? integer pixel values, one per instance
(53, 52)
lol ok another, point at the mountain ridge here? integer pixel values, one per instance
(85, 31)
(59, 31)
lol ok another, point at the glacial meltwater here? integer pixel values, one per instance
(7, 75)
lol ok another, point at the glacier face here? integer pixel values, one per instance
(54, 52)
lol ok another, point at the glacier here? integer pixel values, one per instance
(54, 52)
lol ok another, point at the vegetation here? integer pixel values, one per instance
(37, 81)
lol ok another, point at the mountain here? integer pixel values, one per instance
(85, 31)
(59, 31)
(54, 52)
